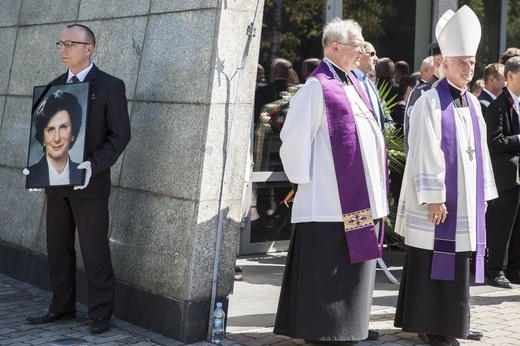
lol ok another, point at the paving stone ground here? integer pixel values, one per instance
(496, 313)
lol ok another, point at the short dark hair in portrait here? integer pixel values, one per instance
(58, 101)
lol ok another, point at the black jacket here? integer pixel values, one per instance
(39, 174)
(107, 132)
(503, 129)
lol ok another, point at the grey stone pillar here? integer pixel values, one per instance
(427, 14)
(191, 110)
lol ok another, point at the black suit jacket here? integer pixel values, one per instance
(503, 129)
(39, 174)
(485, 100)
(107, 132)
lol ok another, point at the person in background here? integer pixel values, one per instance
(367, 64)
(494, 82)
(281, 71)
(421, 88)
(503, 216)
(406, 85)
(477, 87)
(401, 69)
(293, 77)
(260, 76)
(508, 54)
(426, 70)
(447, 180)
(85, 208)
(385, 70)
(385, 77)
(308, 66)
(372, 76)
(341, 174)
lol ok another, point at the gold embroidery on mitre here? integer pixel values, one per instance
(357, 220)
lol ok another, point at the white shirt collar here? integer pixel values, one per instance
(81, 75)
(515, 100)
(56, 178)
(489, 93)
(462, 91)
(346, 73)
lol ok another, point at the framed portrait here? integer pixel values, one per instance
(57, 140)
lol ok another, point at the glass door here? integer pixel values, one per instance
(267, 226)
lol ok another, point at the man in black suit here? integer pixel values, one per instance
(86, 207)
(494, 81)
(503, 215)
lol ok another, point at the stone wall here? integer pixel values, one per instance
(188, 98)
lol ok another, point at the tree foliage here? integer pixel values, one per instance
(299, 33)
(292, 29)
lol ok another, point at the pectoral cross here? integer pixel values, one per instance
(470, 152)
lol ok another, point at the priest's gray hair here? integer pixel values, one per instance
(512, 65)
(339, 30)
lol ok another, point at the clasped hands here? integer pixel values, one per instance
(437, 212)
(87, 166)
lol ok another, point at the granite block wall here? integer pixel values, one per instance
(190, 102)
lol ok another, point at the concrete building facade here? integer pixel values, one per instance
(189, 69)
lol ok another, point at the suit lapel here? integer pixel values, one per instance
(511, 111)
(381, 113)
(92, 74)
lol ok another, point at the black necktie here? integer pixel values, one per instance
(74, 79)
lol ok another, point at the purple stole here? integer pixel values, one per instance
(360, 231)
(443, 261)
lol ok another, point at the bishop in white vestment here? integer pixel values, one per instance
(447, 180)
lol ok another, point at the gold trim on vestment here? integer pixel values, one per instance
(358, 219)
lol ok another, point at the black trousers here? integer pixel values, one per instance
(503, 234)
(90, 217)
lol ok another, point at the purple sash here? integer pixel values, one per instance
(360, 231)
(443, 261)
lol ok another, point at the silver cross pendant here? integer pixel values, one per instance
(470, 152)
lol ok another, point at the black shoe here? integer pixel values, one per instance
(372, 335)
(474, 335)
(499, 281)
(438, 340)
(99, 325)
(50, 317)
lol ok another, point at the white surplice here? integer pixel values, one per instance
(423, 180)
(307, 156)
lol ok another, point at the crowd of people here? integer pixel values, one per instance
(460, 186)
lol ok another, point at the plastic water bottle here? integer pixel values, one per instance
(217, 325)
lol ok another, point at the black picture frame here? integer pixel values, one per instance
(51, 105)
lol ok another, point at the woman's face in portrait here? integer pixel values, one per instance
(57, 135)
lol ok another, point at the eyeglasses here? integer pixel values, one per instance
(359, 47)
(68, 44)
(371, 53)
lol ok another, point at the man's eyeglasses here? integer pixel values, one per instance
(359, 47)
(371, 53)
(68, 44)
